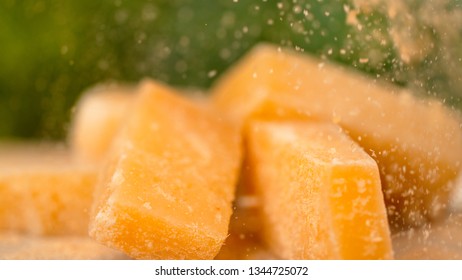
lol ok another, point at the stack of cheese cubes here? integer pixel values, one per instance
(289, 158)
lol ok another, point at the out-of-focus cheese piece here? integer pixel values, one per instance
(167, 189)
(244, 247)
(244, 239)
(320, 192)
(246, 215)
(14, 246)
(98, 116)
(417, 143)
(456, 196)
(439, 241)
(42, 191)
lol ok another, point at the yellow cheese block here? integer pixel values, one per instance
(167, 189)
(417, 143)
(320, 192)
(97, 118)
(23, 247)
(42, 191)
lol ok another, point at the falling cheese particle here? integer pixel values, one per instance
(320, 192)
(167, 189)
(417, 143)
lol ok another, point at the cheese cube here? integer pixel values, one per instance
(98, 116)
(320, 192)
(417, 143)
(167, 188)
(42, 191)
(24, 247)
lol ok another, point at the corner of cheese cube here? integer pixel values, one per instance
(320, 193)
(98, 116)
(169, 181)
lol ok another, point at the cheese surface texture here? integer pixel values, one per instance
(166, 191)
(43, 191)
(417, 143)
(320, 193)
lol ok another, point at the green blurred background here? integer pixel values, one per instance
(51, 51)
